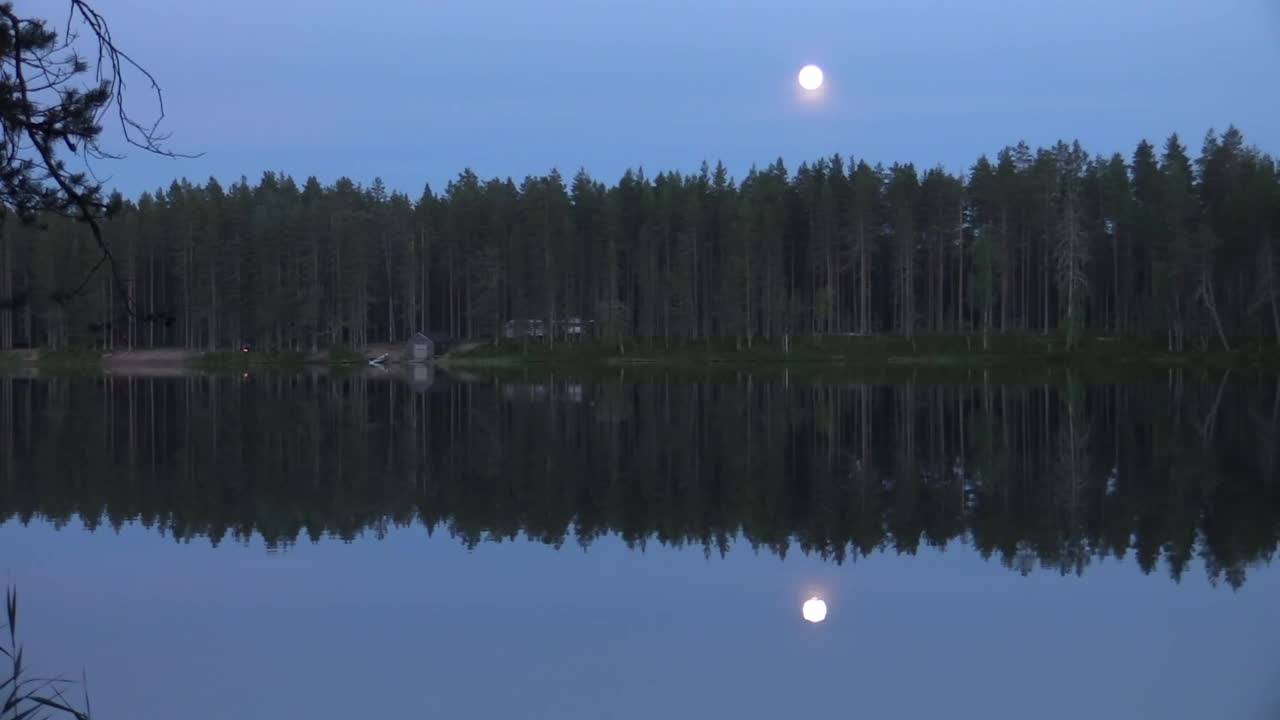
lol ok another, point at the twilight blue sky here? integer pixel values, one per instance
(416, 90)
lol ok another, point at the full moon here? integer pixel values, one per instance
(814, 610)
(810, 77)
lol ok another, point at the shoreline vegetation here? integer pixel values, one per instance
(830, 352)
(863, 351)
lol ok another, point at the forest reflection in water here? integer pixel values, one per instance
(1055, 473)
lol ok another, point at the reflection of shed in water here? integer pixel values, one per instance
(422, 378)
(421, 349)
(571, 392)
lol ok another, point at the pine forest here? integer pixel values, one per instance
(1177, 251)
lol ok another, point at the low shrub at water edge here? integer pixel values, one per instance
(221, 360)
(233, 360)
(339, 355)
(922, 350)
(345, 355)
(71, 359)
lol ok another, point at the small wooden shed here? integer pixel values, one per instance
(421, 349)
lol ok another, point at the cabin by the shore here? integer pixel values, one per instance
(420, 349)
(570, 327)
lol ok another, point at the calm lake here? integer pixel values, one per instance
(640, 545)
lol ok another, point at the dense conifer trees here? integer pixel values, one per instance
(1155, 246)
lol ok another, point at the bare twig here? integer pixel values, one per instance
(146, 137)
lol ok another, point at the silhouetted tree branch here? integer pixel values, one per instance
(46, 109)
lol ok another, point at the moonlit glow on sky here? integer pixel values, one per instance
(814, 610)
(378, 93)
(810, 77)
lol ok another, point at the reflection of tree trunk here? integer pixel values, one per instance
(1024, 490)
(938, 429)
(6, 288)
(1074, 479)
(962, 395)
(1046, 423)
(1210, 420)
(1273, 432)
(1118, 397)
(1275, 404)
(1005, 422)
(864, 433)
(1176, 376)
(1268, 430)
(7, 411)
(1275, 316)
(750, 402)
(391, 421)
(213, 416)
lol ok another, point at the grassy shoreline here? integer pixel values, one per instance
(173, 359)
(811, 353)
(853, 352)
(225, 360)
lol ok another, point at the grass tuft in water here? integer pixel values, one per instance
(27, 697)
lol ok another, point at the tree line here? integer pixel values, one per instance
(1155, 246)
(1173, 473)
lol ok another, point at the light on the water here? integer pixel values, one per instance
(814, 610)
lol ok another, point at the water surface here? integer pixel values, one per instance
(638, 547)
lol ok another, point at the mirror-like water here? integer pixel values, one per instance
(312, 546)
